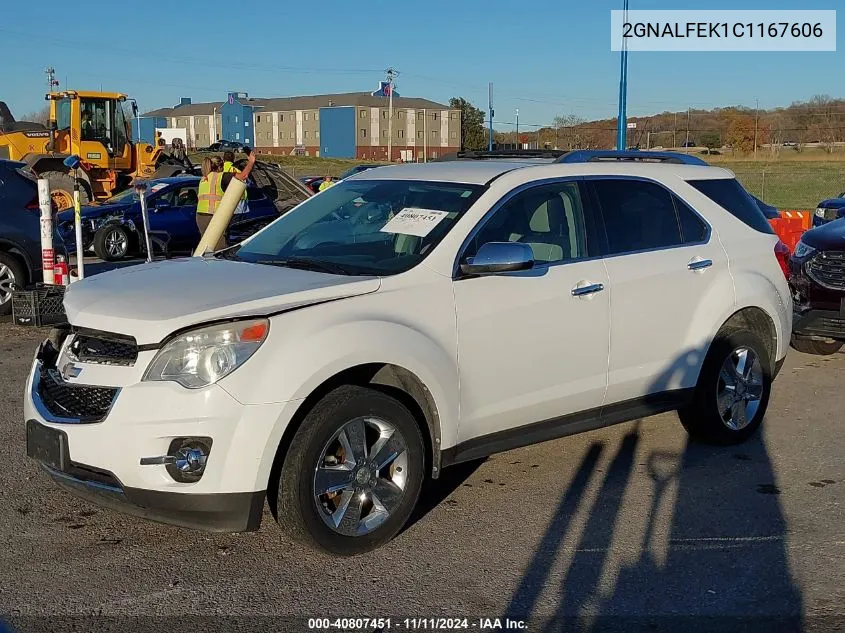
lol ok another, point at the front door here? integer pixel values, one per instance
(533, 345)
(174, 213)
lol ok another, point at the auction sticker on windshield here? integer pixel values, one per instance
(414, 221)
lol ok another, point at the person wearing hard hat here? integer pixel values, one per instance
(229, 168)
(327, 182)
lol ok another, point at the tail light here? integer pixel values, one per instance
(782, 254)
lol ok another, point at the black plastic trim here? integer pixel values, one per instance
(571, 424)
(819, 323)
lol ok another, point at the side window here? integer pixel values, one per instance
(63, 114)
(638, 215)
(692, 228)
(549, 218)
(729, 194)
(254, 193)
(185, 196)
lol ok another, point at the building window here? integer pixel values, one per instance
(363, 132)
(306, 116)
(197, 137)
(305, 134)
(258, 118)
(363, 114)
(237, 136)
(419, 134)
(453, 134)
(236, 118)
(384, 132)
(316, 116)
(317, 134)
(292, 135)
(434, 154)
(269, 136)
(434, 115)
(384, 114)
(401, 133)
(400, 114)
(434, 134)
(420, 116)
(246, 123)
(454, 116)
(281, 118)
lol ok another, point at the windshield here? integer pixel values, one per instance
(124, 196)
(363, 227)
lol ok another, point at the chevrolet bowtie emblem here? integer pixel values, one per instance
(69, 370)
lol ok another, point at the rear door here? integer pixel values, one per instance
(669, 282)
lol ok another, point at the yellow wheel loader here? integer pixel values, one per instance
(95, 127)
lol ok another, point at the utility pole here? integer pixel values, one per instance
(686, 142)
(517, 129)
(675, 133)
(490, 113)
(391, 75)
(51, 78)
(756, 116)
(648, 140)
(622, 118)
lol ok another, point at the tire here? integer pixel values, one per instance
(819, 348)
(12, 271)
(397, 486)
(707, 418)
(61, 189)
(111, 243)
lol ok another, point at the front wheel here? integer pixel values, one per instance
(353, 473)
(733, 390)
(111, 243)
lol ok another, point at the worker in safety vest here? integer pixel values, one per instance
(327, 182)
(210, 193)
(229, 168)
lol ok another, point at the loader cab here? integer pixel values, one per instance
(93, 126)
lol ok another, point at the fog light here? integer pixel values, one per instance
(190, 457)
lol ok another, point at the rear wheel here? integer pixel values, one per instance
(111, 243)
(353, 472)
(733, 390)
(12, 273)
(61, 189)
(819, 348)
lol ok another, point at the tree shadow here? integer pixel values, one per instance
(720, 565)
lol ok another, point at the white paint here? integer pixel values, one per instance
(299, 133)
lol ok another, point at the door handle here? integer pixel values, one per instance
(580, 291)
(698, 263)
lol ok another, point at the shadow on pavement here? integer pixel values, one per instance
(719, 563)
(435, 492)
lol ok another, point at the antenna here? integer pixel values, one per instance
(52, 82)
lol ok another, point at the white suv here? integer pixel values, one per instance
(404, 320)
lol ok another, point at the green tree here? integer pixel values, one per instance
(473, 136)
(711, 141)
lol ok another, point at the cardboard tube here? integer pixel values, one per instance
(222, 215)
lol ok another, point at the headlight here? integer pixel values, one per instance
(802, 250)
(820, 212)
(203, 356)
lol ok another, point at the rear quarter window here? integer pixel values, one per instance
(729, 194)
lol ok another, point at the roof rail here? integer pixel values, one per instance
(602, 155)
(504, 153)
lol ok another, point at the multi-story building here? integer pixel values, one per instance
(348, 125)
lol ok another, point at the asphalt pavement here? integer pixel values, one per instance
(627, 528)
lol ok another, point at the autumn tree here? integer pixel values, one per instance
(740, 134)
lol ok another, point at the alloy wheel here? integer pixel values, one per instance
(361, 476)
(116, 243)
(740, 388)
(7, 280)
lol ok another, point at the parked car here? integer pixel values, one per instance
(829, 210)
(817, 277)
(357, 169)
(314, 182)
(222, 146)
(469, 307)
(768, 210)
(114, 228)
(20, 231)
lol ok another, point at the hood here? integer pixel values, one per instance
(827, 237)
(93, 211)
(150, 301)
(833, 203)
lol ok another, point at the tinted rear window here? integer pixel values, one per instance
(729, 194)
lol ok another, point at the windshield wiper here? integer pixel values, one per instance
(307, 264)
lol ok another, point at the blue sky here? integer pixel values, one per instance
(543, 57)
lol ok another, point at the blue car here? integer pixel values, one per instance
(114, 228)
(830, 210)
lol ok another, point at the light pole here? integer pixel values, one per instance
(517, 129)
(622, 121)
(391, 74)
(490, 112)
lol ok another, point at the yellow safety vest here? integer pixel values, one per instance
(325, 185)
(229, 168)
(210, 193)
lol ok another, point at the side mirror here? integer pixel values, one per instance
(499, 257)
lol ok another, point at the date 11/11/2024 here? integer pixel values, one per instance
(376, 625)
